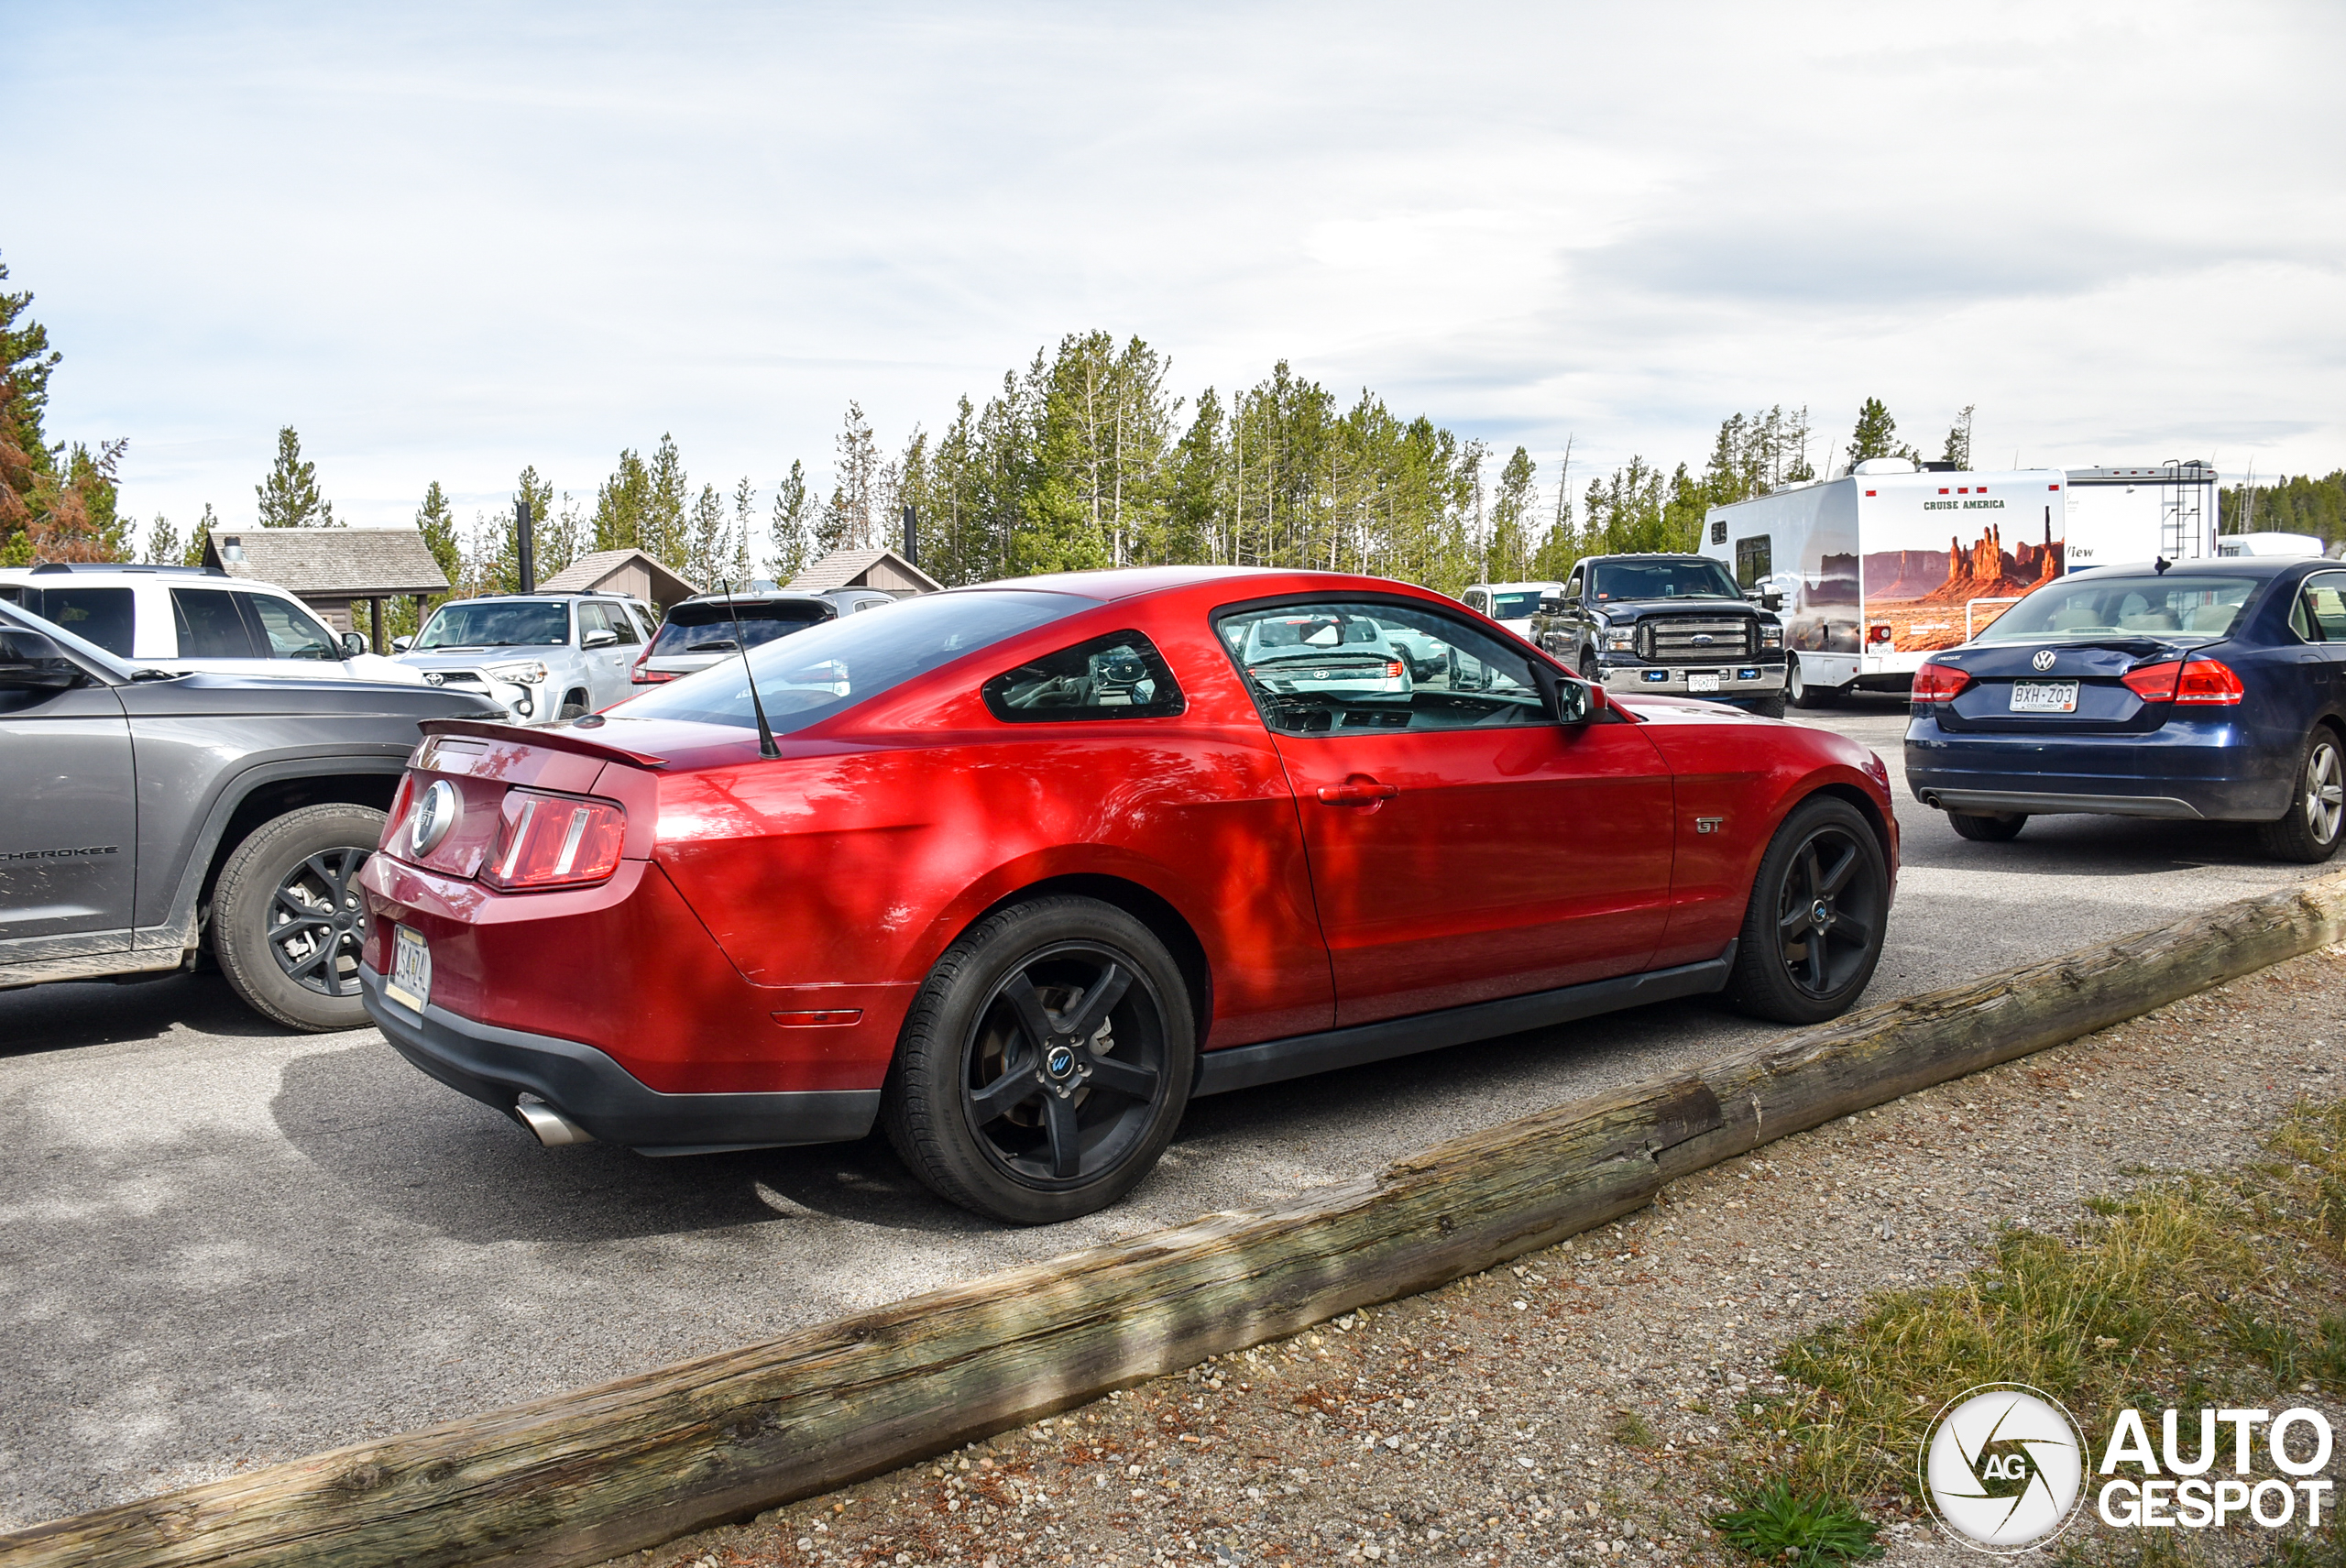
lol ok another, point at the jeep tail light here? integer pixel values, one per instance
(1939, 682)
(2175, 680)
(553, 841)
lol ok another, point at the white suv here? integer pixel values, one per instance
(194, 618)
(544, 657)
(1512, 605)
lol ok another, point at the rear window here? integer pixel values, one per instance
(210, 626)
(104, 616)
(2204, 604)
(805, 678)
(708, 628)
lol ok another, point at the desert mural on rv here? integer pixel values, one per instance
(1973, 552)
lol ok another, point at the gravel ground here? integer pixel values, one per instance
(1567, 1405)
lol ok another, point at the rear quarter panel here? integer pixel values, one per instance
(1748, 775)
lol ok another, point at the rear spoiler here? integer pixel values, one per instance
(553, 739)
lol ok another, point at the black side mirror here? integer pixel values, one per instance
(32, 662)
(1567, 701)
(353, 644)
(1552, 604)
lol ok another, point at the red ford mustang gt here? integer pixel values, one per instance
(1016, 871)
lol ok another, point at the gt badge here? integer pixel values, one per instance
(1708, 824)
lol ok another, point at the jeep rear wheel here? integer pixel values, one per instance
(287, 920)
(1046, 1063)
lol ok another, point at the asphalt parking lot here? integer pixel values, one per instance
(222, 1244)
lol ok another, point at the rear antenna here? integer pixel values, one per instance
(766, 747)
(2161, 565)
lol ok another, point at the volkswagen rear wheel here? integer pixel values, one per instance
(2309, 831)
(1046, 1063)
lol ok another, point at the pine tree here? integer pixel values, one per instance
(847, 522)
(540, 495)
(707, 551)
(202, 536)
(790, 526)
(622, 504)
(737, 542)
(55, 504)
(560, 539)
(1959, 439)
(289, 497)
(164, 546)
(667, 537)
(1876, 434)
(1510, 557)
(437, 524)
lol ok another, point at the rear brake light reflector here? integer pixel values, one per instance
(399, 810)
(553, 841)
(1939, 682)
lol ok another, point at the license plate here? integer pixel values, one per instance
(411, 981)
(1702, 683)
(2044, 697)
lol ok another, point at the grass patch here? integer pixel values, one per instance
(2182, 1292)
(1631, 1429)
(1780, 1524)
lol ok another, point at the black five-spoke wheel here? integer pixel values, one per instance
(1046, 1063)
(1812, 934)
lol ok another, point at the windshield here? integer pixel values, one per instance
(1515, 606)
(1662, 580)
(2200, 603)
(492, 625)
(708, 628)
(805, 678)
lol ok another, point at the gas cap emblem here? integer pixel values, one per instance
(434, 815)
(2044, 660)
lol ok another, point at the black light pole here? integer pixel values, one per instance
(912, 537)
(526, 554)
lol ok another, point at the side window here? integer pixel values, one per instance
(1477, 600)
(291, 632)
(1572, 587)
(1121, 675)
(1754, 559)
(104, 616)
(209, 626)
(593, 617)
(1336, 668)
(2324, 602)
(623, 625)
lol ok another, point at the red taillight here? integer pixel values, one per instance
(639, 676)
(1939, 682)
(2154, 683)
(2198, 680)
(399, 809)
(553, 841)
(1392, 669)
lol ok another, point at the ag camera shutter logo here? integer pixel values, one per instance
(2003, 1466)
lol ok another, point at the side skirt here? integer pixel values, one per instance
(1299, 1056)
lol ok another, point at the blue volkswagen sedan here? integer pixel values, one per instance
(2214, 690)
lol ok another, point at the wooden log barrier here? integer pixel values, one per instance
(583, 1476)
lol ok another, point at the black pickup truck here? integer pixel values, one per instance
(1665, 624)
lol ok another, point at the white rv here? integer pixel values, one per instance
(1873, 570)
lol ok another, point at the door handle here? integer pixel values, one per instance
(1356, 792)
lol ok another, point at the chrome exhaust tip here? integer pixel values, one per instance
(552, 1128)
(1931, 799)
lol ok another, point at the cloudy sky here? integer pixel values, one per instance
(443, 241)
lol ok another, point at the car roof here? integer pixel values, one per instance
(2239, 565)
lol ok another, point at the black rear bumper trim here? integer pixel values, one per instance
(2030, 803)
(497, 1066)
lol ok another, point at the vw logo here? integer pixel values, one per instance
(432, 817)
(2044, 660)
(1059, 1062)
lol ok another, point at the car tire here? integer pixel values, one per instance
(1804, 695)
(1769, 706)
(574, 705)
(1589, 672)
(977, 1102)
(2309, 832)
(1982, 828)
(1795, 967)
(287, 919)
